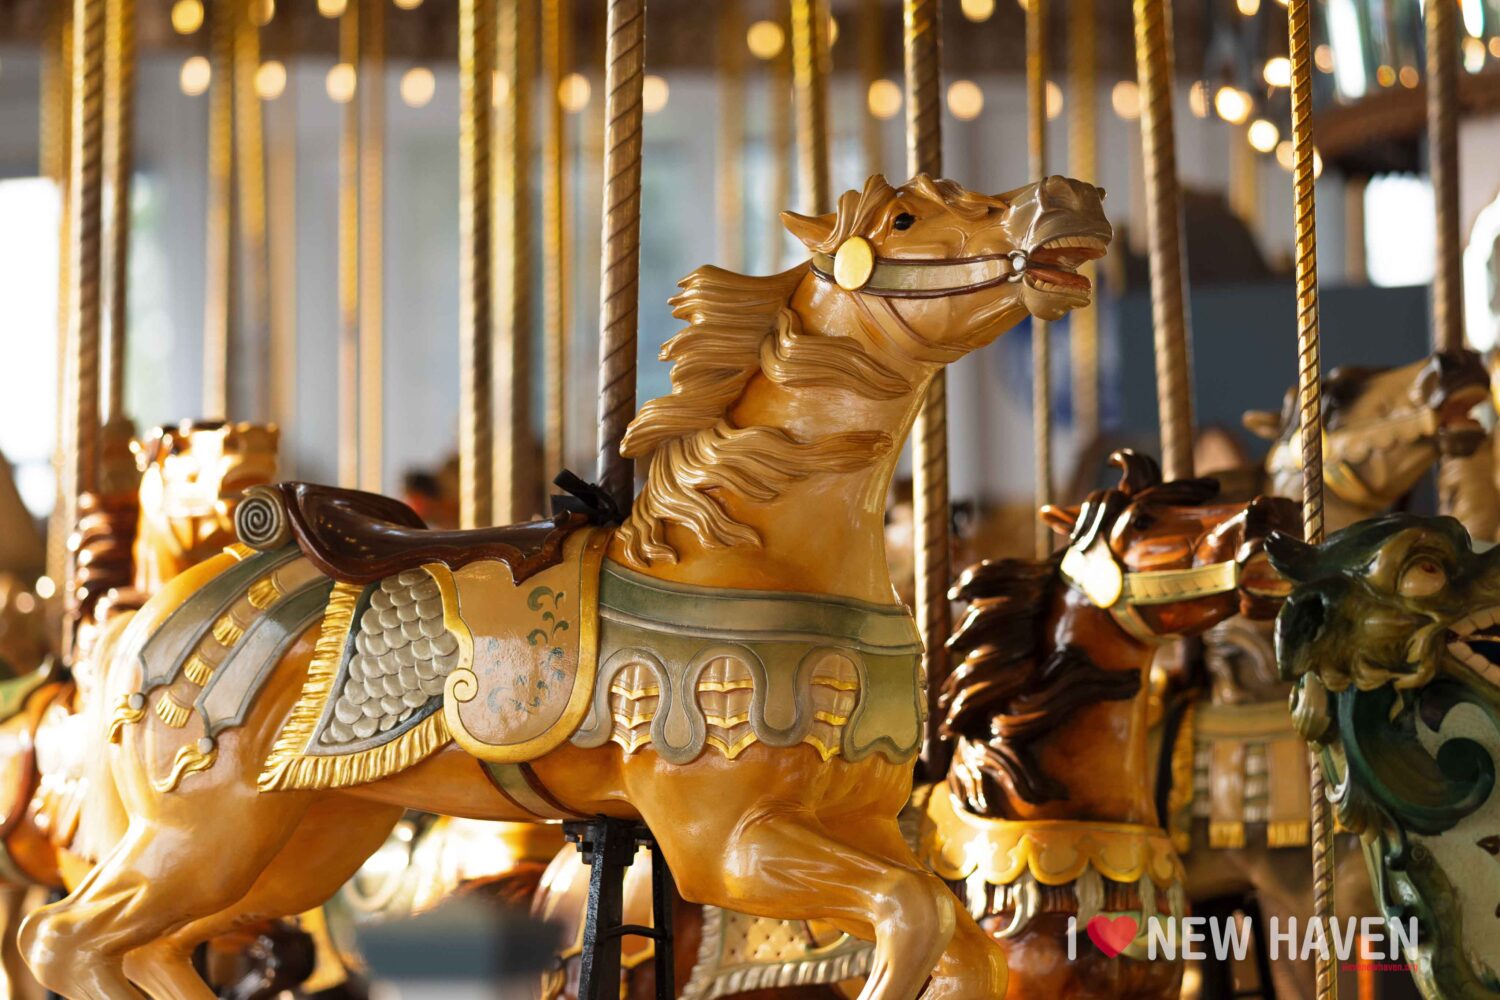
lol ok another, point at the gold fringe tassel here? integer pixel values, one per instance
(1180, 797)
(173, 712)
(227, 632)
(190, 760)
(240, 551)
(263, 592)
(198, 670)
(328, 656)
(124, 716)
(1229, 834)
(323, 772)
(1288, 833)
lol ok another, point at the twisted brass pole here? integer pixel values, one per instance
(1083, 164)
(281, 241)
(921, 42)
(556, 247)
(476, 58)
(1041, 330)
(810, 77)
(1174, 390)
(516, 486)
(1309, 392)
(56, 152)
(871, 51)
(119, 149)
(619, 283)
(780, 88)
(729, 184)
(218, 258)
(348, 253)
(250, 178)
(85, 249)
(1442, 141)
(370, 102)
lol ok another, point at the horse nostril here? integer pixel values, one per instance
(1101, 191)
(1305, 615)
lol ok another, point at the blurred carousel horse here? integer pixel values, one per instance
(1392, 640)
(166, 502)
(1047, 813)
(1233, 788)
(736, 672)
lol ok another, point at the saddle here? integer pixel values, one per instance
(362, 538)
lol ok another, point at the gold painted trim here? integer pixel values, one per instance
(636, 694)
(190, 760)
(463, 685)
(227, 632)
(171, 711)
(1226, 834)
(1288, 833)
(725, 686)
(835, 684)
(240, 551)
(263, 592)
(198, 670)
(124, 716)
(1180, 798)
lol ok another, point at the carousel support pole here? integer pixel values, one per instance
(56, 150)
(810, 78)
(85, 298)
(609, 847)
(218, 263)
(348, 254)
(871, 49)
(779, 86)
(620, 259)
(119, 149)
(1041, 330)
(1310, 401)
(1083, 57)
(370, 103)
(281, 236)
(921, 38)
(517, 490)
(1174, 388)
(1442, 146)
(729, 188)
(556, 247)
(476, 58)
(250, 181)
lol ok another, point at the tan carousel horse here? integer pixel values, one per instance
(1047, 816)
(728, 665)
(1233, 789)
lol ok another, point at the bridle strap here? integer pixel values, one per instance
(928, 279)
(1145, 589)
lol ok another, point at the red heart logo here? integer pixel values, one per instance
(1112, 935)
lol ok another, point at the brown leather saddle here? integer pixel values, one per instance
(361, 538)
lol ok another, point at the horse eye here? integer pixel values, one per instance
(1142, 522)
(903, 221)
(1422, 578)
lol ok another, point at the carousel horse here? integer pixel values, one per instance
(728, 664)
(1390, 639)
(1232, 787)
(1046, 818)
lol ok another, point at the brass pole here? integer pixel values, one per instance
(250, 179)
(729, 186)
(1174, 389)
(516, 489)
(348, 251)
(476, 57)
(556, 247)
(119, 149)
(1083, 164)
(370, 103)
(1442, 142)
(218, 258)
(1310, 393)
(779, 87)
(871, 49)
(56, 150)
(81, 468)
(619, 291)
(921, 43)
(1041, 331)
(281, 236)
(810, 74)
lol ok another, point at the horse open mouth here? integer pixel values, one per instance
(1053, 266)
(1459, 434)
(1474, 641)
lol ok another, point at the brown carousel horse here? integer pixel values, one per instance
(729, 665)
(1233, 789)
(1047, 814)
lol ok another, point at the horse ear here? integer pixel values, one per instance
(1137, 471)
(1264, 424)
(1291, 556)
(812, 230)
(1060, 519)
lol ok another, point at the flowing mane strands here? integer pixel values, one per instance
(740, 327)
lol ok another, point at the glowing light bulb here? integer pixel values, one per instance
(407, 4)
(1125, 98)
(977, 11)
(340, 83)
(654, 94)
(884, 99)
(1232, 105)
(1323, 58)
(1278, 72)
(1248, 7)
(332, 8)
(270, 80)
(1263, 135)
(195, 76)
(965, 100)
(1054, 101)
(187, 16)
(417, 87)
(766, 39)
(573, 93)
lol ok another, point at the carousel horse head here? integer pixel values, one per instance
(1384, 428)
(1392, 636)
(1164, 559)
(958, 267)
(192, 477)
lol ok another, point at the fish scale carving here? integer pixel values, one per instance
(403, 655)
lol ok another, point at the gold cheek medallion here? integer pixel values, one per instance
(853, 264)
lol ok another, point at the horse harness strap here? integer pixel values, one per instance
(856, 268)
(1095, 571)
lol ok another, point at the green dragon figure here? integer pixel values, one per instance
(1393, 639)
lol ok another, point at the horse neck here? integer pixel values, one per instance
(1098, 749)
